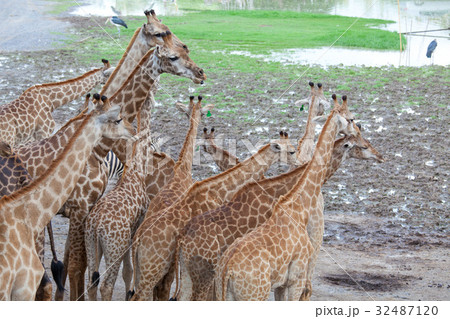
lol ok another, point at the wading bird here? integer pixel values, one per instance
(431, 47)
(115, 20)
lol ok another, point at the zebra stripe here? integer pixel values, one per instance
(114, 165)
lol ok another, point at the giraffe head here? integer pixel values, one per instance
(284, 149)
(107, 70)
(316, 99)
(345, 122)
(187, 109)
(13, 173)
(362, 149)
(154, 31)
(208, 136)
(108, 120)
(175, 60)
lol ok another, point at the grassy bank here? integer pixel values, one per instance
(210, 34)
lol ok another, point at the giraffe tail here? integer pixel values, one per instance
(134, 260)
(95, 280)
(57, 267)
(177, 271)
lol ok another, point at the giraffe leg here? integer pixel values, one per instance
(185, 292)
(280, 294)
(27, 279)
(306, 294)
(77, 257)
(94, 254)
(202, 276)
(112, 263)
(163, 290)
(295, 291)
(59, 295)
(44, 291)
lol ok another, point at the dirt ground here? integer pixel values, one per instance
(386, 225)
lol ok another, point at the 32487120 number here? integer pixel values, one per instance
(407, 310)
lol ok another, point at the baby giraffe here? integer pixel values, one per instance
(221, 157)
(112, 222)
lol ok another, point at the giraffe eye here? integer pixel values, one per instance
(174, 58)
(118, 121)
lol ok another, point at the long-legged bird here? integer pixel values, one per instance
(115, 20)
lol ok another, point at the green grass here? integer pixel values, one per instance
(211, 33)
(59, 6)
(260, 31)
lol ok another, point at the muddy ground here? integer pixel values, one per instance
(386, 229)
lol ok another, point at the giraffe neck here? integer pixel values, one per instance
(162, 172)
(48, 149)
(277, 186)
(306, 143)
(308, 188)
(134, 52)
(131, 97)
(338, 157)
(184, 163)
(59, 93)
(36, 203)
(135, 89)
(221, 157)
(144, 151)
(222, 187)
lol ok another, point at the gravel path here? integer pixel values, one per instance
(25, 26)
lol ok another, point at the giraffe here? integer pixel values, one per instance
(154, 243)
(207, 236)
(34, 159)
(28, 118)
(276, 254)
(144, 38)
(166, 58)
(27, 211)
(12, 166)
(182, 178)
(113, 220)
(317, 104)
(223, 159)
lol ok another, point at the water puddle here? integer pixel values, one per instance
(414, 16)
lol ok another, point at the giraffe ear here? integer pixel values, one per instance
(112, 114)
(158, 50)
(275, 147)
(207, 108)
(325, 104)
(183, 108)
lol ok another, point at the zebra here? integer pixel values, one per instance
(115, 167)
